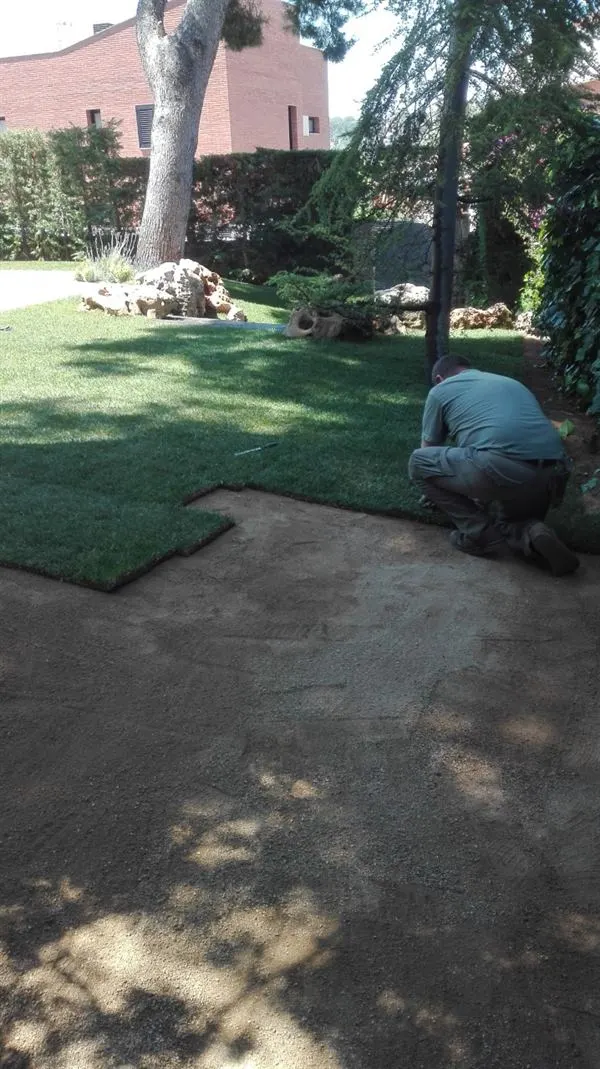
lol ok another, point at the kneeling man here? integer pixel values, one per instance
(506, 468)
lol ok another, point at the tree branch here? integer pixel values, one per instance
(150, 19)
(485, 78)
(200, 20)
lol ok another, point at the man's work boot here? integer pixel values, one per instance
(546, 547)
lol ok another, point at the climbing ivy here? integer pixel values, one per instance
(570, 307)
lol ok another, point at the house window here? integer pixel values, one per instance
(94, 118)
(311, 125)
(293, 126)
(144, 114)
(2, 123)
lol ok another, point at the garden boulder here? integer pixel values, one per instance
(405, 293)
(186, 289)
(497, 317)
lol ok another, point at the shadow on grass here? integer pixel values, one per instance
(152, 419)
(261, 296)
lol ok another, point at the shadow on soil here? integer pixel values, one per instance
(186, 883)
(178, 882)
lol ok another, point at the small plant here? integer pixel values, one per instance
(109, 258)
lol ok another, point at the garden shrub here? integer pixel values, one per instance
(54, 189)
(570, 305)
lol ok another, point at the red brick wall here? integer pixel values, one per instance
(58, 89)
(265, 81)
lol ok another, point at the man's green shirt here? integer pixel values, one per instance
(490, 412)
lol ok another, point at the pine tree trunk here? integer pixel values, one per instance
(446, 200)
(178, 67)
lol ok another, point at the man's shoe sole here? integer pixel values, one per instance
(547, 545)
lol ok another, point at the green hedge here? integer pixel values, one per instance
(56, 189)
(242, 204)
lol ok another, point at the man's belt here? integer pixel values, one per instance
(545, 463)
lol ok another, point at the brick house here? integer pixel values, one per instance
(274, 96)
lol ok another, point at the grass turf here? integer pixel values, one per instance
(109, 423)
(37, 265)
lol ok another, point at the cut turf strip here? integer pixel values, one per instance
(92, 539)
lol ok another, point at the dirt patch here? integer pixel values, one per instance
(583, 444)
(324, 795)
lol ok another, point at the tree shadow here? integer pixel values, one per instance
(245, 870)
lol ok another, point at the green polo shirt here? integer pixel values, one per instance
(490, 412)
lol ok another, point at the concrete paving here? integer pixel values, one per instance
(323, 796)
(18, 289)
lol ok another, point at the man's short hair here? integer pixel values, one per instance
(448, 365)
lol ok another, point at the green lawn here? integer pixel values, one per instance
(37, 265)
(108, 424)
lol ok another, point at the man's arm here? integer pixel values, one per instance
(434, 431)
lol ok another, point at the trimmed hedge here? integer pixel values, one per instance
(242, 205)
(58, 190)
(54, 189)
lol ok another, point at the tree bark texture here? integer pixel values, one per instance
(446, 199)
(178, 67)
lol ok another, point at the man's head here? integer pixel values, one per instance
(446, 367)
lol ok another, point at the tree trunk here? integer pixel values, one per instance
(446, 198)
(178, 67)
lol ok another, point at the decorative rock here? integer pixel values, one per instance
(403, 293)
(497, 317)
(186, 288)
(524, 323)
(305, 323)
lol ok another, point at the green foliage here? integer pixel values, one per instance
(241, 211)
(324, 293)
(53, 189)
(570, 307)
(87, 164)
(522, 55)
(533, 283)
(109, 268)
(35, 217)
(323, 22)
(330, 295)
(242, 207)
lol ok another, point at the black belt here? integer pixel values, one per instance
(544, 463)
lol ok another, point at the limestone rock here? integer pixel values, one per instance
(403, 293)
(524, 323)
(497, 317)
(186, 288)
(150, 302)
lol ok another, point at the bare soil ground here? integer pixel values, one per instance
(323, 796)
